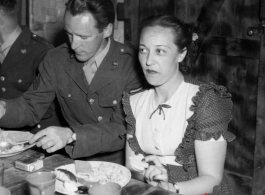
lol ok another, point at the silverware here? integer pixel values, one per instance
(7, 144)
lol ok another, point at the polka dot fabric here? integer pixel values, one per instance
(211, 114)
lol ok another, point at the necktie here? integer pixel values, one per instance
(2, 55)
(90, 69)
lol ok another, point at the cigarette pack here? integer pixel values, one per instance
(30, 163)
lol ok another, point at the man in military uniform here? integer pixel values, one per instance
(88, 76)
(21, 52)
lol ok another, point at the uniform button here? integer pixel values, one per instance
(34, 35)
(91, 101)
(2, 78)
(122, 50)
(114, 102)
(115, 63)
(99, 118)
(20, 81)
(38, 125)
(3, 89)
(69, 95)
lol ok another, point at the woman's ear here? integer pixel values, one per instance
(107, 30)
(182, 55)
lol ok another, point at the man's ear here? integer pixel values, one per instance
(182, 55)
(107, 30)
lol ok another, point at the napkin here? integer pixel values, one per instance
(137, 164)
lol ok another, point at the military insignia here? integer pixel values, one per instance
(23, 51)
(115, 63)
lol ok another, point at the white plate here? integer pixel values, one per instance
(59, 187)
(16, 152)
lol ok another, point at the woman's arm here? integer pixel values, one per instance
(134, 162)
(210, 158)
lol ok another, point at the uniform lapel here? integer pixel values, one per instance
(75, 70)
(19, 50)
(108, 71)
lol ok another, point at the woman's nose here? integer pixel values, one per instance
(150, 60)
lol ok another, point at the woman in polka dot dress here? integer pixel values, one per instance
(177, 128)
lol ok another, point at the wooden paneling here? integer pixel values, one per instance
(259, 166)
(23, 12)
(129, 13)
(239, 73)
(229, 46)
(154, 7)
(240, 77)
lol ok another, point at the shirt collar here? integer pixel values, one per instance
(11, 38)
(99, 57)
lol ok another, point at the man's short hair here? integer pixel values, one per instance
(102, 11)
(9, 7)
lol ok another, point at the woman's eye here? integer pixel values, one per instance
(142, 50)
(83, 37)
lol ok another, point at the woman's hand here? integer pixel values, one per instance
(156, 175)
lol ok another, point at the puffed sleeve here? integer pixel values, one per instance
(212, 108)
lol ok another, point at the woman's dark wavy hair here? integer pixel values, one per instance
(9, 7)
(182, 33)
(102, 10)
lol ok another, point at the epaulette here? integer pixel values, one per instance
(42, 40)
(126, 50)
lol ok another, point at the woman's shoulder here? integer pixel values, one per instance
(212, 106)
(134, 102)
(139, 95)
(208, 91)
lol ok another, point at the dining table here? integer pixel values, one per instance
(14, 179)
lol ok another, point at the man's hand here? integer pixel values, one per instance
(2, 108)
(54, 138)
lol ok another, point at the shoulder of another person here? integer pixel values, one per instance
(60, 51)
(44, 42)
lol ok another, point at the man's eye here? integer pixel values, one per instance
(83, 37)
(160, 51)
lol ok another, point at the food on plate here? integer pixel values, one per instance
(13, 149)
(70, 185)
(70, 182)
(15, 136)
(99, 173)
(83, 167)
(107, 172)
(65, 175)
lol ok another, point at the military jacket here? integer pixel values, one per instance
(20, 68)
(93, 111)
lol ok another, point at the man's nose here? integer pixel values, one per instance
(74, 43)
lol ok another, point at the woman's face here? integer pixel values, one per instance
(158, 55)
